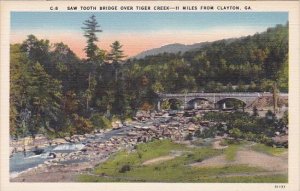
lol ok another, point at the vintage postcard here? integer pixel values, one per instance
(150, 95)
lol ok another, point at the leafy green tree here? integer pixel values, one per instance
(66, 67)
(45, 101)
(38, 51)
(100, 122)
(81, 125)
(283, 78)
(19, 82)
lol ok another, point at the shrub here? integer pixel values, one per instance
(146, 106)
(100, 122)
(235, 133)
(223, 142)
(250, 136)
(206, 133)
(82, 125)
(125, 168)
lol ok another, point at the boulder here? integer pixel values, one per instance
(281, 140)
(80, 138)
(145, 128)
(59, 141)
(68, 139)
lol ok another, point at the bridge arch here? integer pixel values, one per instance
(200, 103)
(171, 103)
(232, 103)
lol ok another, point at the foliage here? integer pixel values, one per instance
(90, 30)
(116, 55)
(235, 133)
(206, 133)
(251, 63)
(52, 84)
(100, 122)
(81, 125)
(242, 125)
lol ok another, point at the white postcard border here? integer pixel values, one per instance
(294, 96)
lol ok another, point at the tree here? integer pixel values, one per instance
(90, 30)
(116, 54)
(19, 83)
(45, 101)
(36, 50)
(91, 50)
(65, 67)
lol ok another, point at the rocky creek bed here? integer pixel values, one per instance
(80, 153)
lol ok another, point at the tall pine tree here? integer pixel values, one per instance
(90, 28)
(116, 55)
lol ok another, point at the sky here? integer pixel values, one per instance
(143, 30)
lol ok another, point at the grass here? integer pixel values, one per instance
(174, 170)
(170, 173)
(216, 179)
(273, 151)
(250, 179)
(143, 152)
(230, 152)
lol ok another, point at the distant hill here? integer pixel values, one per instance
(171, 48)
(177, 47)
(251, 63)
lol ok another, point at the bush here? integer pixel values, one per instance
(206, 133)
(82, 125)
(146, 106)
(235, 133)
(265, 140)
(250, 136)
(125, 168)
(196, 119)
(223, 143)
(100, 122)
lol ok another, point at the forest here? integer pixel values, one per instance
(54, 92)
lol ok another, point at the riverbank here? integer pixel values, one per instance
(179, 128)
(166, 161)
(100, 145)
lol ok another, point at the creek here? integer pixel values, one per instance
(21, 161)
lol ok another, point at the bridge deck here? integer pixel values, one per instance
(232, 94)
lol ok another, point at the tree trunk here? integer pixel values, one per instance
(275, 97)
(87, 96)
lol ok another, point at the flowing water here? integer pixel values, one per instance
(20, 162)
